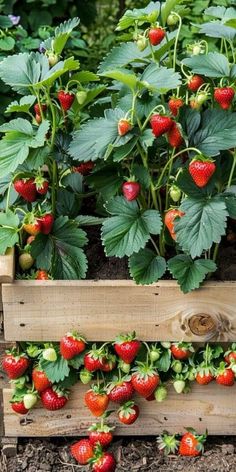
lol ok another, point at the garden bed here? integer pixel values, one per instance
(139, 456)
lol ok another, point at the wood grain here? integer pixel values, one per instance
(7, 267)
(45, 310)
(211, 407)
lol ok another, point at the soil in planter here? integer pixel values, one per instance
(131, 455)
(102, 267)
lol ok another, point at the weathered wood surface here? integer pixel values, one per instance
(7, 267)
(45, 310)
(212, 407)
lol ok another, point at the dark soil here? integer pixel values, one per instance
(102, 267)
(132, 456)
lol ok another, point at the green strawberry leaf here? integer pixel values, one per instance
(62, 34)
(146, 267)
(123, 55)
(19, 137)
(230, 201)
(129, 229)
(212, 64)
(69, 381)
(9, 235)
(188, 273)
(217, 30)
(61, 250)
(22, 106)
(56, 371)
(107, 180)
(164, 362)
(124, 76)
(160, 79)
(87, 220)
(26, 70)
(216, 133)
(77, 361)
(104, 134)
(203, 224)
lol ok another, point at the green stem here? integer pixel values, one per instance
(168, 179)
(8, 196)
(155, 246)
(215, 253)
(54, 186)
(173, 157)
(54, 164)
(232, 171)
(176, 40)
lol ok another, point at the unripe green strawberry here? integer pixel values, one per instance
(191, 375)
(179, 385)
(25, 261)
(81, 96)
(177, 366)
(161, 393)
(29, 400)
(166, 344)
(50, 354)
(172, 19)
(141, 43)
(154, 354)
(124, 367)
(175, 193)
(202, 97)
(53, 59)
(85, 376)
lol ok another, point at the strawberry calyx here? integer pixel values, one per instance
(144, 370)
(127, 409)
(121, 338)
(98, 389)
(167, 443)
(201, 158)
(61, 392)
(223, 367)
(201, 438)
(184, 346)
(76, 336)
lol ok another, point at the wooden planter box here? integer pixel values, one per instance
(45, 310)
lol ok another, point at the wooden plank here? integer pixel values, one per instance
(7, 267)
(45, 310)
(212, 407)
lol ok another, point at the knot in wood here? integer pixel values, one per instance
(202, 324)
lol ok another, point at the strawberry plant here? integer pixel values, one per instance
(165, 146)
(157, 151)
(41, 188)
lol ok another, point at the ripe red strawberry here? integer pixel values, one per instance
(37, 109)
(230, 355)
(170, 217)
(174, 136)
(104, 463)
(41, 275)
(41, 185)
(53, 399)
(128, 413)
(145, 380)
(160, 124)
(204, 377)
(84, 168)
(156, 35)
(100, 434)
(94, 359)
(46, 223)
(131, 190)
(15, 365)
(40, 380)
(224, 375)
(72, 345)
(109, 363)
(181, 350)
(82, 451)
(224, 96)
(201, 171)
(195, 82)
(191, 444)
(65, 99)
(120, 391)
(96, 400)
(26, 189)
(175, 104)
(124, 126)
(127, 347)
(19, 407)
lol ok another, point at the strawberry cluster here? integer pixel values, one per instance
(118, 373)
